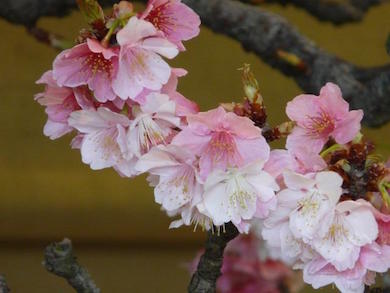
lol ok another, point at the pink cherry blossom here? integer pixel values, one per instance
(176, 20)
(373, 259)
(154, 123)
(222, 140)
(239, 194)
(60, 102)
(104, 142)
(140, 64)
(320, 273)
(305, 211)
(88, 64)
(177, 181)
(353, 226)
(320, 117)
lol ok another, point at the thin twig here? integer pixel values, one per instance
(59, 260)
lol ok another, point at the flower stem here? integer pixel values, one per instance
(331, 149)
(105, 42)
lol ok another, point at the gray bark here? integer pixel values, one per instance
(59, 260)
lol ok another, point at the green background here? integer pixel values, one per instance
(121, 234)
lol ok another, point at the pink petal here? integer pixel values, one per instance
(332, 100)
(241, 126)
(347, 128)
(69, 66)
(301, 107)
(252, 150)
(299, 138)
(134, 31)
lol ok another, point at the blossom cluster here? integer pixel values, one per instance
(323, 224)
(323, 200)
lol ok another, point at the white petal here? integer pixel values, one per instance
(297, 181)
(134, 31)
(330, 183)
(161, 46)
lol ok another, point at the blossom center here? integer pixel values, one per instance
(160, 19)
(336, 233)
(96, 63)
(240, 193)
(150, 133)
(221, 143)
(321, 124)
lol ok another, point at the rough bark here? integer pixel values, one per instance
(335, 11)
(3, 285)
(209, 267)
(59, 260)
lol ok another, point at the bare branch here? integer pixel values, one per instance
(335, 11)
(59, 260)
(209, 268)
(3, 285)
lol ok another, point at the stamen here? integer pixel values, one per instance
(96, 63)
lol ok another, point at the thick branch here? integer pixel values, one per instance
(3, 285)
(335, 11)
(209, 267)
(269, 36)
(59, 259)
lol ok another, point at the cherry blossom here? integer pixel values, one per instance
(222, 140)
(60, 102)
(154, 123)
(140, 63)
(176, 20)
(177, 179)
(239, 194)
(104, 142)
(88, 64)
(320, 117)
(353, 227)
(305, 210)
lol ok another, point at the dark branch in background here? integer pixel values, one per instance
(335, 11)
(209, 268)
(59, 260)
(269, 36)
(3, 285)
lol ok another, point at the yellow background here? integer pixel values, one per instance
(47, 193)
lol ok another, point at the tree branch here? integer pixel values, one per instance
(3, 285)
(59, 260)
(335, 11)
(209, 267)
(271, 38)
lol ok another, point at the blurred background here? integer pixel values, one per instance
(119, 233)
